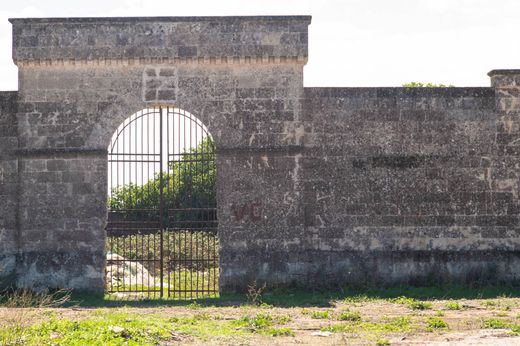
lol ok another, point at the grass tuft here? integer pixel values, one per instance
(320, 315)
(453, 306)
(436, 323)
(412, 303)
(348, 315)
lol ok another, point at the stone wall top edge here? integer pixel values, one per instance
(221, 19)
(332, 92)
(8, 93)
(503, 72)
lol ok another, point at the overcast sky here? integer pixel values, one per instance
(351, 42)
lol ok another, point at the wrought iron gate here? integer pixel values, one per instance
(162, 223)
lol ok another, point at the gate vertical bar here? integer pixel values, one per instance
(161, 201)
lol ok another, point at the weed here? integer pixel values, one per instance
(436, 323)
(266, 306)
(193, 305)
(348, 315)
(254, 293)
(260, 321)
(382, 342)
(393, 325)
(453, 306)
(280, 332)
(25, 298)
(412, 303)
(359, 298)
(320, 315)
(339, 328)
(495, 323)
(489, 303)
(439, 313)
(282, 319)
(418, 305)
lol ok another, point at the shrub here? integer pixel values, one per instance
(320, 315)
(453, 306)
(436, 323)
(349, 316)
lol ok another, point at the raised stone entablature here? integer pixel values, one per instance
(162, 39)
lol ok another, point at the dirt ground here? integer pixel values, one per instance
(465, 323)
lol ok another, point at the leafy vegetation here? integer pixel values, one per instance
(425, 85)
(348, 315)
(453, 306)
(263, 323)
(318, 315)
(413, 303)
(189, 184)
(110, 329)
(393, 325)
(436, 323)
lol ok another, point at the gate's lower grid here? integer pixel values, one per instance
(188, 267)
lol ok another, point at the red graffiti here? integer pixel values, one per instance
(252, 210)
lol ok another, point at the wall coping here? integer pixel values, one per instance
(269, 39)
(503, 72)
(219, 19)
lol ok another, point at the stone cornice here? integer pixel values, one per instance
(264, 39)
(165, 60)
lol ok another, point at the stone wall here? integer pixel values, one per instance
(248, 97)
(409, 186)
(8, 187)
(316, 186)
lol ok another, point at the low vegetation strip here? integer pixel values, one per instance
(267, 318)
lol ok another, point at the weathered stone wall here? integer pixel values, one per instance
(248, 98)
(395, 186)
(409, 186)
(8, 187)
(316, 186)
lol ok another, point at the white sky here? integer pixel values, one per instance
(351, 42)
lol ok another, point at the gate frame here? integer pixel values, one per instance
(163, 112)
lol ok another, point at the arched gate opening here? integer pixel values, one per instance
(162, 219)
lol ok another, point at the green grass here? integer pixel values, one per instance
(436, 323)
(348, 315)
(393, 325)
(109, 329)
(320, 315)
(120, 328)
(495, 323)
(412, 303)
(263, 324)
(453, 306)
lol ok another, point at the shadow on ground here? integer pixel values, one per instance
(298, 298)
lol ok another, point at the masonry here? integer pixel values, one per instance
(316, 187)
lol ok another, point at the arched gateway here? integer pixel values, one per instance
(162, 212)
